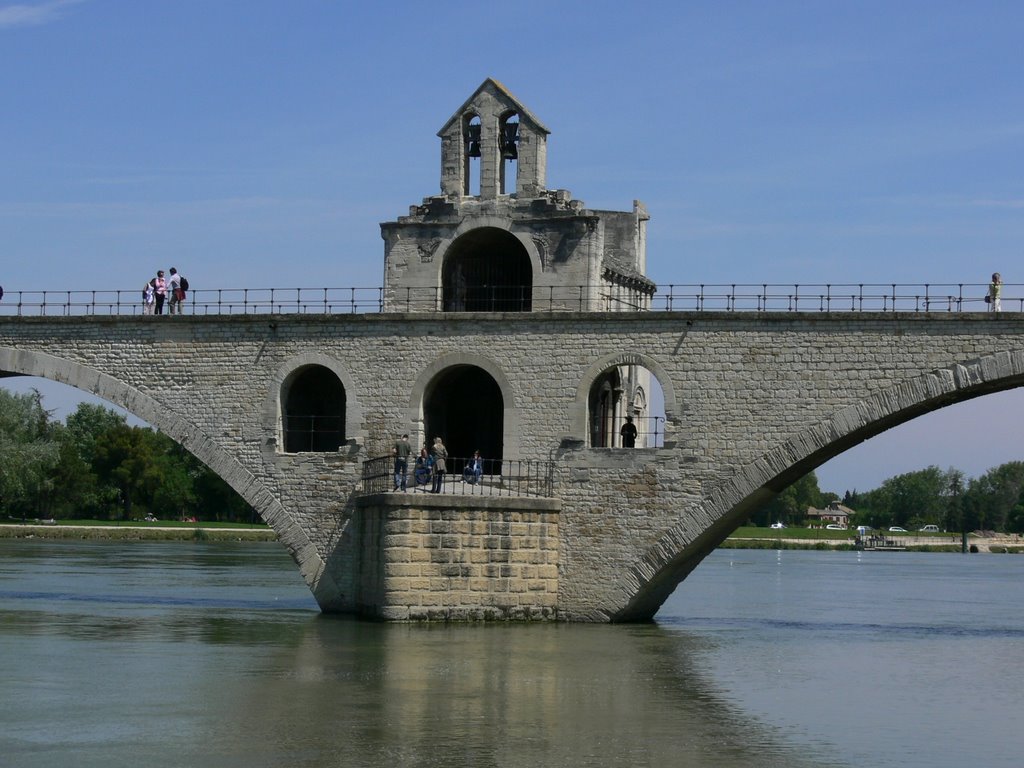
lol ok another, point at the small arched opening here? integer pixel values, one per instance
(626, 409)
(487, 270)
(313, 410)
(471, 138)
(464, 406)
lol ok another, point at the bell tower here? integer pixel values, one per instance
(492, 146)
(496, 239)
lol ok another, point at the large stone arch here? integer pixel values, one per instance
(657, 573)
(178, 428)
(578, 415)
(510, 438)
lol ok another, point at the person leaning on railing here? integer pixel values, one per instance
(995, 290)
(439, 454)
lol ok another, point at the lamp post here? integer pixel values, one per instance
(954, 490)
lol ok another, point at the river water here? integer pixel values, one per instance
(203, 654)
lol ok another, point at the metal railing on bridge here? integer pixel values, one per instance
(464, 476)
(698, 297)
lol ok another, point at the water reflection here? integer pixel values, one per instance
(176, 654)
(495, 696)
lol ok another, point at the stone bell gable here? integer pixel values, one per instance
(498, 240)
(495, 127)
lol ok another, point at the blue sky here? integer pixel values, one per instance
(256, 144)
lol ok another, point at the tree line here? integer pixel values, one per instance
(994, 501)
(98, 467)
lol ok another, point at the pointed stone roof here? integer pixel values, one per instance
(501, 93)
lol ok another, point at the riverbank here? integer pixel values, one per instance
(746, 538)
(995, 544)
(188, 532)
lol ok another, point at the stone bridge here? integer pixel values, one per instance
(753, 400)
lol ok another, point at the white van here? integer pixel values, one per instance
(929, 529)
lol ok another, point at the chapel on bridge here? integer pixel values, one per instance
(496, 239)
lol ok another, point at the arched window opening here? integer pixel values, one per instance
(487, 270)
(464, 407)
(626, 409)
(508, 136)
(314, 411)
(471, 134)
(605, 405)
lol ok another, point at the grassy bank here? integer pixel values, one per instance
(139, 531)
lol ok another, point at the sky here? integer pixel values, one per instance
(260, 144)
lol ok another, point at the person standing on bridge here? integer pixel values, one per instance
(174, 289)
(628, 433)
(439, 453)
(160, 289)
(995, 290)
(148, 297)
(401, 453)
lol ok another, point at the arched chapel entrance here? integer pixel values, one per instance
(487, 270)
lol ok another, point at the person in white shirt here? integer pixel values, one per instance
(174, 288)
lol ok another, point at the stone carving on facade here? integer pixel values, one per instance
(427, 250)
(543, 247)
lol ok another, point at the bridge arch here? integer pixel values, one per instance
(424, 389)
(596, 376)
(654, 577)
(194, 440)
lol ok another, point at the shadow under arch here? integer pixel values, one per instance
(656, 575)
(421, 388)
(191, 438)
(579, 416)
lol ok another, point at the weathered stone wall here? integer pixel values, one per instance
(754, 400)
(445, 558)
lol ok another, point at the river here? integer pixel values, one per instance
(214, 654)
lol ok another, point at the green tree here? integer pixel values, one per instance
(87, 423)
(910, 500)
(790, 505)
(28, 454)
(993, 501)
(124, 456)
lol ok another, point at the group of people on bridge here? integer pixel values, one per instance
(431, 465)
(158, 290)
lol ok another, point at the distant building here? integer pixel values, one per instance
(835, 512)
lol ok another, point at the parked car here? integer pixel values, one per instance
(835, 527)
(896, 529)
(929, 529)
(776, 525)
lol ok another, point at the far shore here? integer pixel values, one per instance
(946, 542)
(130, 532)
(744, 539)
